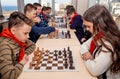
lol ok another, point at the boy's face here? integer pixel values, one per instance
(32, 14)
(22, 32)
(39, 10)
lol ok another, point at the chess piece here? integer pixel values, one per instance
(59, 52)
(71, 66)
(68, 49)
(37, 67)
(30, 65)
(66, 65)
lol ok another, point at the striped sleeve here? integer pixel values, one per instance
(7, 69)
(30, 48)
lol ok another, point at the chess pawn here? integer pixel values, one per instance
(42, 49)
(30, 65)
(37, 67)
(49, 36)
(56, 33)
(38, 62)
(49, 58)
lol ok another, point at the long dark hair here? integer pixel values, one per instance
(103, 22)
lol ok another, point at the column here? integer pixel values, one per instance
(0, 8)
(39, 1)
(92, 2)
(20, 5)
(53, 7)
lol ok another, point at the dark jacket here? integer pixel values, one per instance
(39, 29)
(77, 25)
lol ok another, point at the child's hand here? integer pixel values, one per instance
(37, 19)
(87, 56)
(25, 59)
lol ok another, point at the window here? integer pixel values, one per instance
(8, 7)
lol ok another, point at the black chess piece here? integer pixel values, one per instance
(62, 32)
(64, 51)
(60, 52)
(68, 49)
(66, 64)
(71, 66)
(65, 35)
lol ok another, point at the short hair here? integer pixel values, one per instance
(48, 8)
(69, 6)
(29, 7)
(71, 10)
(45, 8)
(37, 4)
(17, 19)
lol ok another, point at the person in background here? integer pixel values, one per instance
(49, 10)
(38, 28)
(1, 18)
(15, 46)
(101, 52)
(43, 16)
(39, 7)
(76, 22)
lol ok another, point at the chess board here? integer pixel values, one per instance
(61, 34)
(52, 60)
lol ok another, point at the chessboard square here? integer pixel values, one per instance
(54, 57)
(43, 64)
(54, 67)
(50, 64)
(51, 57)
(42, 68)
(54, 64)
(49, 68)
(49, 61)
(60, 61)
(59, 56)
(44, 61)
(45, 57)
(51, 53)
(60, 64)
(60, 68)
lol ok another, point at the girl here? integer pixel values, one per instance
(15, 46)
(102, 52)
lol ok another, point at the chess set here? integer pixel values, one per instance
(60, 35)
(56, 60)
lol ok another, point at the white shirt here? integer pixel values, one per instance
(101, 63)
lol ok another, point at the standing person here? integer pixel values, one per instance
(101, 52)
(76, 23)
(15, 46)
(38, 28)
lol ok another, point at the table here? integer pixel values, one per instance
(82, 72)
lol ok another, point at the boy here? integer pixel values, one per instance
(38, 28)
(15, 46)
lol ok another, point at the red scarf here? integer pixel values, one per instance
(94, 41)
(44, 16)
(8, 34)
(72, 19)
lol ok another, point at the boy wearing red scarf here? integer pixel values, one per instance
(15, 46)
(75, 22)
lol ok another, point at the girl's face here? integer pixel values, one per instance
(22, 32)
(89, 26)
